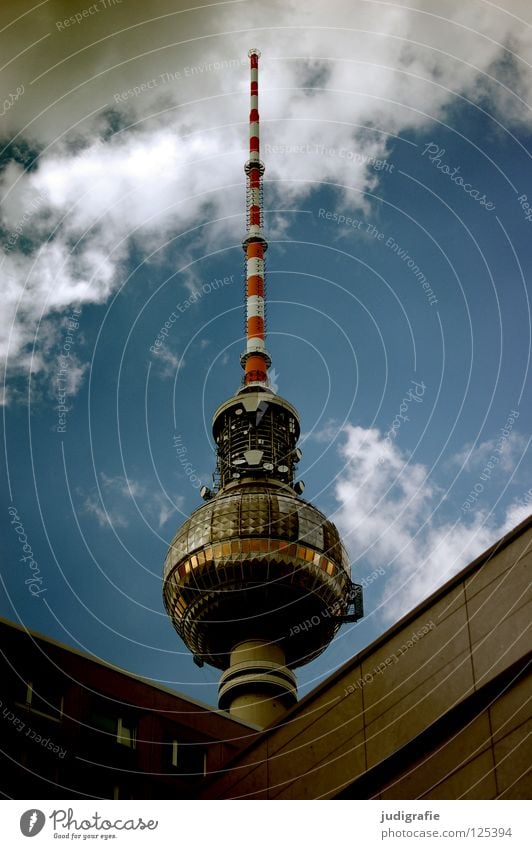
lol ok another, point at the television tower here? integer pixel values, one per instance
(257, 581)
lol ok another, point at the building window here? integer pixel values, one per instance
(188, 758)
(122, 729)
(122, 791)
(126, 734)
(43, 700)
(174, 752)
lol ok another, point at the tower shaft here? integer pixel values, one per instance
(257, 687)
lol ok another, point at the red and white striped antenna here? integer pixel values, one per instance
(255, 359)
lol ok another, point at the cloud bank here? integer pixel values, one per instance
(392, 515)
(343, 81)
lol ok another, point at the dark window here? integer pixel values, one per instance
(121, 730)
(187, 758)
(44, 699)
(122, 791)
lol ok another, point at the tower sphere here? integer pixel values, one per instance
(256, 560)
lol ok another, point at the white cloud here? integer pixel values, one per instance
(75, 376)
(390, 516)
(361, 72)
(104, 516)
(168, 362)
(119, 498)
(166, 507)
(474, 457)
(517, 512)
(325, 434)
(126, 487)
(112, 503)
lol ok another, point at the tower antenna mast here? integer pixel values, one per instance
(255, 359)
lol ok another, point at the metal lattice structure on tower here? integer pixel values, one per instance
(256, 562)
(255, 359)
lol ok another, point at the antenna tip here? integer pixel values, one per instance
(254, 52)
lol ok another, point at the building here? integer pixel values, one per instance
(436, 708)
(74, 727)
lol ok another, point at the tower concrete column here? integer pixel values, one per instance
(257, 687)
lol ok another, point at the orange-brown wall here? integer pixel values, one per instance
(445, 718)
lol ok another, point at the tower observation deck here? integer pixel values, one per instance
(257, 581)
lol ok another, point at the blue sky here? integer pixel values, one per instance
(397, 152)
